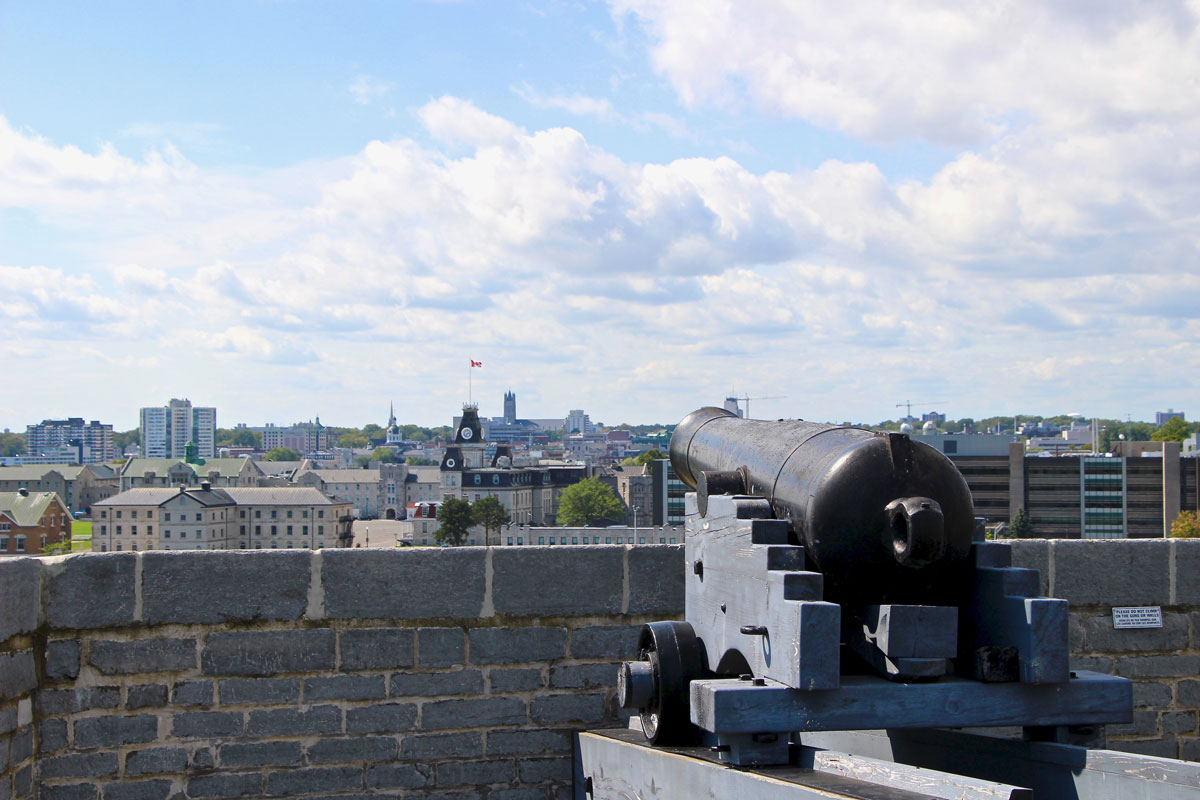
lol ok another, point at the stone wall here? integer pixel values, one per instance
(1164, 663)
(440, 672)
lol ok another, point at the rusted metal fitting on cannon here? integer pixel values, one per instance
(718, 482)
(916, 530)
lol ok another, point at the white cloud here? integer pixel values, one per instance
(577, 104)
(366, 90)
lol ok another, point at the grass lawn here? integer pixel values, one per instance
(81, 536)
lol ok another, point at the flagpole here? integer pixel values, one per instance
(470, 373)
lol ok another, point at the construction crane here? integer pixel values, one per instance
(746, 400)
(908, 404)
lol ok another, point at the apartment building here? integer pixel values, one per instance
(90, 442)
(270, 518)
(167, 430)
(32, 521)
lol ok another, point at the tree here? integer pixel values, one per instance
(1186, 525)
(11, 444)
(491, 514)
(352, 439)
(122, 439)
(1173, 430)
(373, 431)
(281, 454)
(588, 501)
(454, 521)
(1020, 527)
(417, 461)
(247, 439)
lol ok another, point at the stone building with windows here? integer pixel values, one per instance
(208, 518)
(32, 521)
(78, 486)
(144, 473)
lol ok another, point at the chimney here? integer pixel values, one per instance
(205, 486)
(23, 491)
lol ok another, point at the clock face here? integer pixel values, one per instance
(450, 463)
(467, 433)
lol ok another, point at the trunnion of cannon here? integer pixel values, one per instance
(834, 582)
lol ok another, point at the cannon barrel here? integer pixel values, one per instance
(884, 518)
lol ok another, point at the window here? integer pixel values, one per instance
(304, 530)
(520, 540)
(608, 540)
(321, 530)
(166, 534)
(133, 530)
(289, 513)
(289, 530)
(510, 540)
(103, 513)
(541, 540)
(242, 513)
(258, 513)
(274, 513)
(304, 513)
(321, 514)
(103, 531)
(20, 544)
(243, 530)
(3, 543)
(183, 534)
(133, 514)
(574, 540)
(118, 530)
(198, 534)
(166, 516)
(118, 513)
(274, 530)
(149, 530)
(199, 517)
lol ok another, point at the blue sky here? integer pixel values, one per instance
(286, 209)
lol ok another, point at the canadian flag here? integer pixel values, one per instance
(475, 363)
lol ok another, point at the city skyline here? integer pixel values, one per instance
(290, 209)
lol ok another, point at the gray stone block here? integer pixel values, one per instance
(21, 746)
(157, 789)
(193, 693)
(1166, 747)
(143, 655)
(345, 687)
(1151, 693)
(403, 584)
(1176, 722)
(1033, 554)
(1092, 663)
(1099, 635)
(473, 773)
(557, 581)
(20, 590)
(352, 750)
(528, 793)
(382, 718)
(1135, 572)
(441, 647)
(376, 648)
(1190, 749)
(78, 765)
(433, 746)
(203, 758)
(206, 724)
(69, 791)
(517, 645)
(62, 659)
(502, 681)
(1187, 572)
(268, 652)
(152, 695)
(110, 731)
(527, 742)
(258, 691)
(544, 770)
(52, 738)
(399, 776)
(1145, 723)
(1187, 693)
(605, 641)
(18, 676)
(1157, 666)
(583, 676)
(292, 722)
(656, 580)
(562, 708)
(107, 575)
(434, 684)
(482, 713)
(23, 782)
(155, 761)
(8, 719)
(313, 779)
(71, 701)
(211, 586)
(225, 784)
(260, 754)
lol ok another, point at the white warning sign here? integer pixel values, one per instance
(1137, 617)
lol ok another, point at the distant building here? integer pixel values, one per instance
(167, 430)
(32, 521)
(91, 442)
(140, 473)
(210, 518)
(578, 422)
(78, 486)
(524, 535)
(303, 437)
(1162, 417)
(668, 492)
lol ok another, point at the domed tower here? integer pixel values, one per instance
(393, 430)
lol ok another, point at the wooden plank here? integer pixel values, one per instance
(865, 702)
(1059, 771)
(1004, 611)
(620, 766)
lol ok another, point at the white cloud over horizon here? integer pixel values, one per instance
(1053, 260)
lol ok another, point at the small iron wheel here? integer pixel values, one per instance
(675, 661)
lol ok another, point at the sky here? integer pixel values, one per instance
(289, 209)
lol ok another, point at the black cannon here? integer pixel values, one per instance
(836, 580)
